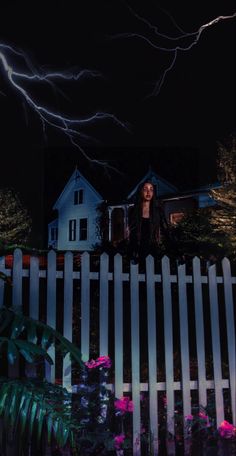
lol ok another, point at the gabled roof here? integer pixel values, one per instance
(53, 223)
(74, 177)
(154, 177)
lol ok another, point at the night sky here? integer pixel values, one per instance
(176, 131)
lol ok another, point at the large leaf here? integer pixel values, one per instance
(15, 324)
(4, 394)
(40, 420)
(18, 326)
(24, 412)
(27, 405)
(31, 332)
(33, 349)
(33, 412)
(46, 338)
(12, 352)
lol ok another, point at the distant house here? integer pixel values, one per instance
(76, 226)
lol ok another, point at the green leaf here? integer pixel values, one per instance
(33, 349)
(33, 412)
(31, 331)
(24, 413)
(28, 357)
(18, 326)
(49, 427)
(12, 352)
(40, 420)
(13, 409)
(64, 434)
(4, 394)
(46, 338)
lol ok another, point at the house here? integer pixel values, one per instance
(76, 225)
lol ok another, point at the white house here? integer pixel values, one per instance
(75, 227)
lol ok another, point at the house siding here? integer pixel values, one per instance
(67, 211)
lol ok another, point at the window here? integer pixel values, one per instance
(72, 230)
(83, 229)
(78, 196)
(54, 234)
(176, 217)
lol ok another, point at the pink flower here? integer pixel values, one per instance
(124, 404)
(227, 430)
(204, 418)
(118, 441)
(103, 361)
(189, 418)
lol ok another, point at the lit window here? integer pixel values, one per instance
(78, 196)
(176, 217)
(83, 229)
(72, 230)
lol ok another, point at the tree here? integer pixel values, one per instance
(223, 218)
(15, 222)
(194, 235)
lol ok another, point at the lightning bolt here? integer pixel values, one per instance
(71, 127)
(183, 42)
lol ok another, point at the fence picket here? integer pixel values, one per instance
(85, 306)
(200, 341)
(152, 354)
(215, 334)
(229, 309)
(17, 279)
(103, 305)
(184, 339)
(34, 288)
(168, 338)
(31, 370)
(17, 274)
(118, 315)
(68, 316)
(51, 309)
(135, 357)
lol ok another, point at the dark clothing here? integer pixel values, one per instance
(145, 240)
(146, 234)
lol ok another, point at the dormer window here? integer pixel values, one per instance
(79, 196)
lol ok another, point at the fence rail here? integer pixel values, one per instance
(193, 311)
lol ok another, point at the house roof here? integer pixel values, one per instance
(117, 187)
(75, 175)
(166, 187)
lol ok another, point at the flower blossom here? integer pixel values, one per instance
(118, 441)
(189, 418)
(227, 430)
(204, 418)
(124, 404)
(103, 361)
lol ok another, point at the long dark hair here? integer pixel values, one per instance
(136, 215)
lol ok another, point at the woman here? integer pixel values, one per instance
(147, 224)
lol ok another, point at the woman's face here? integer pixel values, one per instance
(147, 192)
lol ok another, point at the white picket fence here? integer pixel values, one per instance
(114, 296)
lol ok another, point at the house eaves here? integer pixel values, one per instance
(75, 175)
